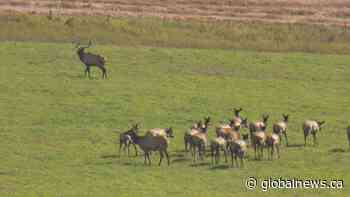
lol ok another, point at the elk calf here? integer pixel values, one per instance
(200, 141)
(196, 128)
(258, 142)
(281, 127)
(125, 139)
(238, 149)
(216, 145)
(273, 144)
(258, 126)
(312, 127)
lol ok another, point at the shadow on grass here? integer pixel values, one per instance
(110, 156)
(181, 151)
(178, 155)
(107, 163)
(294, 145)
(337, 150)
(220, 167)
(200, 164)
(179, 160)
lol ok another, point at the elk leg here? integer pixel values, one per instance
(315, 140)
(231, 158)
(218, 155)
(145, 158)
(88, 71)
(272, 152)
(135, 149)
(186, 144)
(278, 151)
(167, 157)
(285, 136)
(161, 157)
(212, 155)
(128, 149)
(255, 152)
(225, 153)
(104, 74)
(149, 159)
(236, 160)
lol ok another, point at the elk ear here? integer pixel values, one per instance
(240, 109)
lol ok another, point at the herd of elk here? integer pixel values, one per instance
(229, 139)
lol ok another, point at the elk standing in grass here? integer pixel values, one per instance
(89, 60)
(216, 145)
(238, 149)
(149, 143)
(281, 127)
(312, 127)
(125, 139)
(199, 140)
(258, 141)
(237, 119)
(273, 145)
(258, 126)
(196, 128)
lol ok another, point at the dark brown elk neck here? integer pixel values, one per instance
(81, 52)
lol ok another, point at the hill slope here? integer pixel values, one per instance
(58, 129)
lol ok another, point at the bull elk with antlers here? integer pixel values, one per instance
(89, 59)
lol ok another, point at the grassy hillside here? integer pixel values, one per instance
(157, 32)
(58, 129)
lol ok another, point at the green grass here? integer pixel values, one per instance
(57, 134)
(176, 34)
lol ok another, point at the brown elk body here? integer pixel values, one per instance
(312, 127)
(258, 142)
(216, 145)
(238, 149)
(258, 126)
(149, 143)
(281, 128)
(273, 143)
(199, 141)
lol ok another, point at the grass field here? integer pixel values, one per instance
(58, 129)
